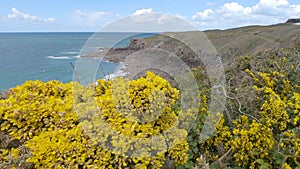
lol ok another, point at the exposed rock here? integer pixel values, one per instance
(163, 55)
(293, 20)
(136, 44)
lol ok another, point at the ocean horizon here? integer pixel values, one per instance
(49, 55)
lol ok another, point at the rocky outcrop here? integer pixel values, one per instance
(293, 20)
(137, 44)
(162, 55)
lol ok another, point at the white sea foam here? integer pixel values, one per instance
(120, 71)
(63, 57)
(114, 75)
(70, 53)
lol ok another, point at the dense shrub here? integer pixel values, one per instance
(265, 135)
(41, 116)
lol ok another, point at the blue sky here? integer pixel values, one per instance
(92, 15)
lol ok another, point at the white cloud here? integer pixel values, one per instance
(272, 3)
(165, 19)
(80, 12)
(207, 13)
(19, 15)
(149, 22)
(235, 8)
(91, 20)
(272, 7)
(90, 14)
(234, 14)
(145, 20)
(143, 11)
(148, 16)
(144, 15)
(180, 16)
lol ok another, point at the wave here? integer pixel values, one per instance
(120, 71)
(63, 57)
(69, 52)
(115, 75)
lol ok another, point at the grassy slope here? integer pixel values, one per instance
(252, 39)
(246, 40)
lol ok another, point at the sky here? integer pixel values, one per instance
(93, 15)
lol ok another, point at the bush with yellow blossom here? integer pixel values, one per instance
(41, 117)
(267, 134)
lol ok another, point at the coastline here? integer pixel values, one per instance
(120, 72)
(139, 53)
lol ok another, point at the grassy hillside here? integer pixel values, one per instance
(252, 39)
(245, 40)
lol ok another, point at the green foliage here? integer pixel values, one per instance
(266, 135)
(244, 63)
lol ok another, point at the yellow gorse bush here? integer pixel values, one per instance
(255, 141)
(251, 141)
(41, 116)
(66, 148)
(219, 142)
(295, 104)
(268, 137)
(35, 107)
(140, 107)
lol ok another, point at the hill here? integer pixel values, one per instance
(252, 39)
(232, 42)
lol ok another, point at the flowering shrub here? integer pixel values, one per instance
(67, 148)
(35, 107)
(251, 141)
(267, 134)
(29, 110)
(41, 116)
(140, 108)
(219, 143)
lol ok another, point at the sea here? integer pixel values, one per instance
(52, 56)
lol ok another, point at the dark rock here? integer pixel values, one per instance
(136, 44)
(293, 20)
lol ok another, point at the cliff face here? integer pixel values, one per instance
(158, 42)
(152, 54)
(136, 44)
(161, 43)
